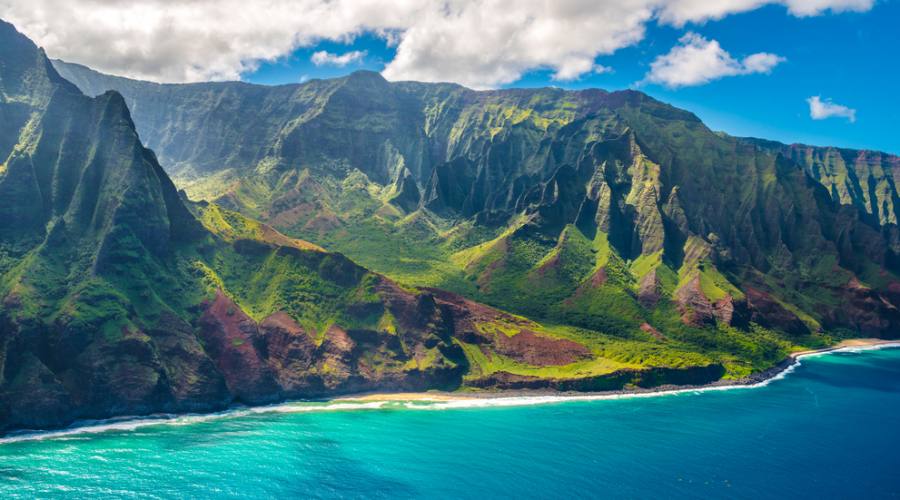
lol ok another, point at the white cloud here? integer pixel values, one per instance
(572, 70)
(193, 40)
(485, 43)
(805, 8)
(697, 60)
(820, 110)
(323, 58)
(480, 43)
(681, 12)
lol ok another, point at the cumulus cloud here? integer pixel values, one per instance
(324, 58)
(576, 69)
(821, 109)
(697, 60)
(480, 43)
(193, 40)
(681, 12)
(485, 43)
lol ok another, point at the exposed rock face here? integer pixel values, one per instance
(723, 309)
(695, 308)
(769, 313)
(195, 381)
(638, 179)
(863, 179)
(648, 328)
(649, 290)
(277, 358)
(290, 351)
(527, 347)
(864, 310)
(228, 337)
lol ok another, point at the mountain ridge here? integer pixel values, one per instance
(118, 296)
(632, 246)
(88, 86)
(500, 184)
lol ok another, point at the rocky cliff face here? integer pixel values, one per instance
(862, 179)
(601, 210)
(119, 297)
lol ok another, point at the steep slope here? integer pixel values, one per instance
(200, 129)
(118, 297)
(610, 211)
(863, 179)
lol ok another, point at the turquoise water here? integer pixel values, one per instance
(828, 429)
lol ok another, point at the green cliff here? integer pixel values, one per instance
(632, 246)
(120, 297)
(608, 211)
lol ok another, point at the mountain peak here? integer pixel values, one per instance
(368, 77)
(75, 158)
(7, 28)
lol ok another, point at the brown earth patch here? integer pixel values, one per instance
(271, 235)
(599, 278)
(290, 217)
(648, 290)
(767, 312)
(723, 309)
(526, 346)
(536, 350)
(289, 349)
(648, 328)
(869, 312)
(228, 335)
(550, 265)
(323, 222)
(696, 310)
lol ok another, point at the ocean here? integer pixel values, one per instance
(827, 429)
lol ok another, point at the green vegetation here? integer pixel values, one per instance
(488, 364)
(631, 237)
(632, 220)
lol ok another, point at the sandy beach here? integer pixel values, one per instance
(847, 344)
(430, 396)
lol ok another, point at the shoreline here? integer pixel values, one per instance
(756, 379)
(848, 344)
(439, 400)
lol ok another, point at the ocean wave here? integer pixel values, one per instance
(127, 424)
(130, 424)
(852, 348)
(328, 406)
(83, 428)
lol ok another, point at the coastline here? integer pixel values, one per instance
(870, 343)
(440, 400)
(754, 380)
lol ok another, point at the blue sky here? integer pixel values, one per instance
(852, 58)
(746, 67)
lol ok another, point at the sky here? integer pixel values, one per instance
(821, 72)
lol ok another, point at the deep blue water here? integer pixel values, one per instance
(829, 429)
